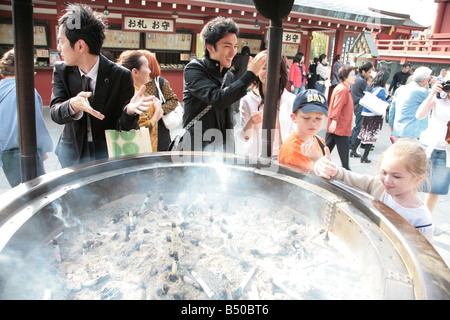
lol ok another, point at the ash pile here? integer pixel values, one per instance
(179, 246)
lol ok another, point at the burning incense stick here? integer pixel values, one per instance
(174, 230)
(244, 282)
(202, 283)
(226, 284)
(54, 238)
(57, 251)
(288, 291)
(170, 245)
(180, 232)
(173, 276)
(133, 219)
(146, 201)
(175, 263)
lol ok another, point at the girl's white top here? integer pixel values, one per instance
(248, 105)
(419, 217)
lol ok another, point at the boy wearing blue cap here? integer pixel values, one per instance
(303, 147)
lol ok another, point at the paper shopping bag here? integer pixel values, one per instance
(125, 143)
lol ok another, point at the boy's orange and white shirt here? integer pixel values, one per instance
(291, 154)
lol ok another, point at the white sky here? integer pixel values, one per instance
(421, 11)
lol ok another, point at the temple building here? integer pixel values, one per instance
(171, 30)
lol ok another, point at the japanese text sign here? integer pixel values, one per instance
(290, 37)
(146, 24)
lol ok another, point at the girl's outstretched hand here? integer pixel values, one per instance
(324, 167)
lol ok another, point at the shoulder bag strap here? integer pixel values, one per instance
(377, 91)
(322, 146)
(201, 114)
(159, 83)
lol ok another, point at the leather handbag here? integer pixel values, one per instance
(173, 119)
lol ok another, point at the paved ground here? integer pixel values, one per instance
(441, 214)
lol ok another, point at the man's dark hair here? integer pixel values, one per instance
(216, 29)
(365, 67)
(406, 64)
(80, 22)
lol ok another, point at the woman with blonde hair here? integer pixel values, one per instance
(169, 99)
(137, 63)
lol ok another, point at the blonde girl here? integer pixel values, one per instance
(402, 168)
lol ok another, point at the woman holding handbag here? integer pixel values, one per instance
(160, 88)
(372, 123)
(137, 63)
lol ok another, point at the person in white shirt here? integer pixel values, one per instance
(251, 108)
(323, 73)
(437, 108)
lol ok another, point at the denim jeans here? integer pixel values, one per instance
(440, 173)
(320, 87)
(299, 90)
(11, 166)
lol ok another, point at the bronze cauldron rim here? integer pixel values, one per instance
(427, 268)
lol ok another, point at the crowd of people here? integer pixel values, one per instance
(92, 94)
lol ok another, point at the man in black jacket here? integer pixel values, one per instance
(400, 78)
(208, 81)
(105, 100)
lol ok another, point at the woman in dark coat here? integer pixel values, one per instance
(312, 75)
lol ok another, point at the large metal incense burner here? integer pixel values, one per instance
(148, 227)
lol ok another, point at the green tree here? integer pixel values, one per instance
(318, 44)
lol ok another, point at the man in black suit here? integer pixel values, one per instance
(90, 93)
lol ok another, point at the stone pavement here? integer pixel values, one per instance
(441, 215)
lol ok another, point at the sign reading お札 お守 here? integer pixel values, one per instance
(146, 24)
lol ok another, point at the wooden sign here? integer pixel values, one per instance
(146, 24)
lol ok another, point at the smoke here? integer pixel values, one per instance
(64, 214)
